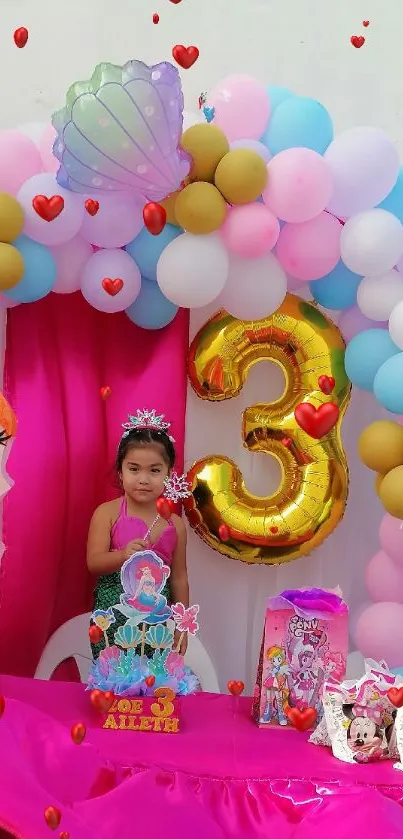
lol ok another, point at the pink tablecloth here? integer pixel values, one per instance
(221, 778)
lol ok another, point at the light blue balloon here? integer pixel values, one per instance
(277, 95)
(301, 122)
(365, 354)
(146, 249)
(151, 310)
(394, 201)
(39, 272)
(398, 671)
(388, 384)
(338, 290)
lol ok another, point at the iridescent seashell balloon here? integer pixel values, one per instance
(121, 130)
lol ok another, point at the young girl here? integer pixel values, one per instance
(119, 528)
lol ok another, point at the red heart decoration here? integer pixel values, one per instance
(236, 688)
(78, 732)
(274, 530)
(102, 701)
(154, 217)
(112, 287)
(156, 18)
(107, 701)
(176, 2)
(302, 720)
(150, 681)
(105, 392)
(64, 835)
(2, 705)
(20, 37)
(185, 56)
(91, 206)
(357, 41)
(395, 695)
(326, 384)
(52, 817)
(287, 442)
(165, 508)
(95, 634)
(317, 422)
(224, 533)
(365, 23)
(48, 208)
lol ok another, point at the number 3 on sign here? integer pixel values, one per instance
(164, 707)
(311, 498)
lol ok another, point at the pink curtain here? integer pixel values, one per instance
(59, 353)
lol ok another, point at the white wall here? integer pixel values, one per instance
(302, 45)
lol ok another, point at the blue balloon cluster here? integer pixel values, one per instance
(39, 272)
(151, 310)
(338, 290)
(297, 121)
(367, 356)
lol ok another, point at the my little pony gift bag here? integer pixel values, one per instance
(305, 643)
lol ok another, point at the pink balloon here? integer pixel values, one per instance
(118, 221)
(391, 538)
(61, 229)
(242, 107)
(50, 162)
(352, 321)
(310, 250)
(379, 633)
(70, 259)
(117, 268)
(384, 579)
(19, 160)
(299, 185)
(250, 230)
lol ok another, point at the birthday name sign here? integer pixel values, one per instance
(159, 713)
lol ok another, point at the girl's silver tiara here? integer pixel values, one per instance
(147, 420)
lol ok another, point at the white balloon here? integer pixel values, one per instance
(396, 324)
(255, 287)
(365, 166)
(192, 270)
(377, 296)
(191, 118)
(371, 243)
(70, 258)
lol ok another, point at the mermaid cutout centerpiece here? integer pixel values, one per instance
(143, 578)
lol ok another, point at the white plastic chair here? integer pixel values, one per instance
(71, 641)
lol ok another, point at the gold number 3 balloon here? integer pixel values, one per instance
(312, 495)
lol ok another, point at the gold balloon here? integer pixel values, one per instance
(200, 208)
(11, 218)
(378, 480)
(206, 144)
(380, 446)
(391, 492)
(312, 496)
(241, 176)
(11, 266)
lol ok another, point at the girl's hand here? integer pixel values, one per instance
(183, 645)
(133, 547)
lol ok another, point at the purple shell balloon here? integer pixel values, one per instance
(121, 131)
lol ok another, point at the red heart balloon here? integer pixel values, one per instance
(78, 732)
(2, 705)
(357, 41)
(91, 206)
(150, 681)
(224, 533)
(112, 287)
(274, 529)
(185, 56)
(395, 695)
(105, 392)
(52, 817)
(48, 208)
(317, 422)
(95, 634)
(302, 720)
(326, 384)
(236, 688)
(365, 23)
(287, 442)
(165, 508)
(64, 835)
(20, 37)
(154, 217)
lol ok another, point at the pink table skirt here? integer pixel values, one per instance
(220, 778)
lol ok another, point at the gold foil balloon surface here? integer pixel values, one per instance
(311, 498)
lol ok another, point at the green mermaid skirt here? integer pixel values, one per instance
(107, 593)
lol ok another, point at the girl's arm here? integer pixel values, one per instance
(100, 560)
(179, 583)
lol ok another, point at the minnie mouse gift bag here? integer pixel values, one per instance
(304, 644)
